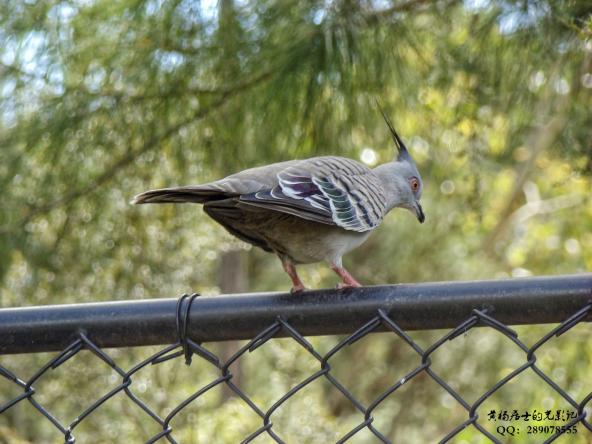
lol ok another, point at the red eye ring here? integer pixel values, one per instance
(414, 182)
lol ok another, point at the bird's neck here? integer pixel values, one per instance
(392, 181)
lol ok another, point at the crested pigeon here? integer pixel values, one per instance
(306, 211)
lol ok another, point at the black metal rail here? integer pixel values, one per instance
(411, 306)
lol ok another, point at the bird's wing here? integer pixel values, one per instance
(330, 190)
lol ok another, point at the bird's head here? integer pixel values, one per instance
(408, 180)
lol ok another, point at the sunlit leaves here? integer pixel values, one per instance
(101, 100)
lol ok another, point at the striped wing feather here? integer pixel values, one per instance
(329, 190)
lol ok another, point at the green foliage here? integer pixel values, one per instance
(100, 100)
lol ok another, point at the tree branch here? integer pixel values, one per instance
(406, 6)
(131, 155)
(539, 141)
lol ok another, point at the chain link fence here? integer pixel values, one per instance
(190, 349)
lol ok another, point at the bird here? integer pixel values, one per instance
(308, 210)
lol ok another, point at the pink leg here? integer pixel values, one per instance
(297, 285)
(348, 279)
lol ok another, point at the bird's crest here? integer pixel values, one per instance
(401, 148)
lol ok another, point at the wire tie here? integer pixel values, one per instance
(183, 310)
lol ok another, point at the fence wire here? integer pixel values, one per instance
(190, 350)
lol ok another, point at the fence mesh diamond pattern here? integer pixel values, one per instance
(189, 350)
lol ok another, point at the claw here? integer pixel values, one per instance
(343, 285)
(297, 289)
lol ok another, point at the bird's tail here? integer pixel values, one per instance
(193, 194)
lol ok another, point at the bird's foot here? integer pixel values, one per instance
(348, 280)
(297, 285)
(343, 285)
(297, 289)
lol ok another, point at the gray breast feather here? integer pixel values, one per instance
(330, 190)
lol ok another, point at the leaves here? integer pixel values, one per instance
(101, 100)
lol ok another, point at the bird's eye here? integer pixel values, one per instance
(414, 183)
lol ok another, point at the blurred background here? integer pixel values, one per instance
(101, 99)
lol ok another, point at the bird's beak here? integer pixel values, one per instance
(419, 213)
